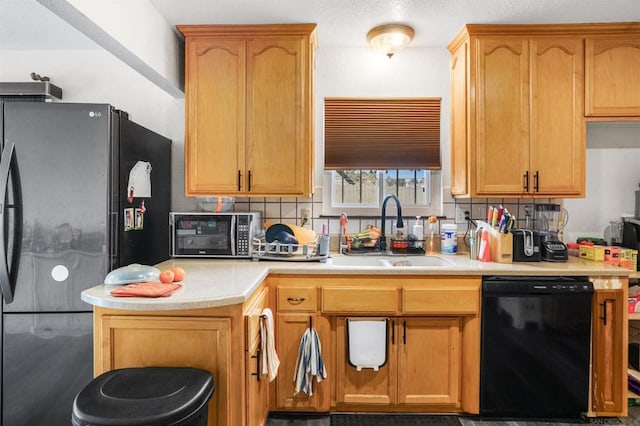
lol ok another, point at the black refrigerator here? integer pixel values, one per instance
(83, 190)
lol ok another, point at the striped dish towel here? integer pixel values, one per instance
(270, 360)
(309, 362)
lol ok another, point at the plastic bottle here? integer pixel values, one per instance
(484, 253)
(418, 231)
(449, 238)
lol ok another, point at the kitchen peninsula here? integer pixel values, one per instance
(213, 323)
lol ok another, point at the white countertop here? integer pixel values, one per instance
(221, 282)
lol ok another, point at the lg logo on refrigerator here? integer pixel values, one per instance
(95, 114)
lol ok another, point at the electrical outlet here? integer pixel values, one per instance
(304, 216)
(461, 214)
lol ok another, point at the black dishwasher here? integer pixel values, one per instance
(535, 346)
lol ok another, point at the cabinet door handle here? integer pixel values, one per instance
(239, 180)
(604, 310)
(526, 181)
(404, 332)
(257, 358)
(249, 185)
(295, 300)
(535, 182)
(393, 332)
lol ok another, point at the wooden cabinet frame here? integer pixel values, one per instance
(612, 60)
(451, 308)
(198, 342)
(249, 95)
(215, 339)
(517, 126)
(422, 366)
(609, 366)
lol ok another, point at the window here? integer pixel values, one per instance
(374, 147)
(360, 192)
(410, 186)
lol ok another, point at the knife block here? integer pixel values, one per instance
(500, 246)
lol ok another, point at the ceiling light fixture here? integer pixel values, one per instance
(391, 38)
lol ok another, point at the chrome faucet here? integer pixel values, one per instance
(399, 223)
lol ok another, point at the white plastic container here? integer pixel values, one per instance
(449, 238)
(418, 230)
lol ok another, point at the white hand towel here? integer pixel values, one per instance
(309, 362)
(270, 360)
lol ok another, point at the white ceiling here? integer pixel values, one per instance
(26, 24)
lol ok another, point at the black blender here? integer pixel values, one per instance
(549, 220)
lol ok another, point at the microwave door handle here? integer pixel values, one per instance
(232, 232)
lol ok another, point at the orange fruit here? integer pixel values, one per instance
(178, 273)
(166, 276)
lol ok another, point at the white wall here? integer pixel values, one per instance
(363, 72)
(613, 176)
(139, 27)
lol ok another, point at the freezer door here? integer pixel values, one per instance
(143, 154)
(63, 155)
(46, 360)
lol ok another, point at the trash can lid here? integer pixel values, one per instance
(143, 396)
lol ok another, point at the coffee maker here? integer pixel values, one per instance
(549, 220)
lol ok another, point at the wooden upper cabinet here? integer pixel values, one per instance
(249, 109)
(460, 120)
(517, 114)
(278, 111)
(215, 108)
(612, 83)
(502, 133)
(557, 140)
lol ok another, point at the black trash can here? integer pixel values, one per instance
(150, 396)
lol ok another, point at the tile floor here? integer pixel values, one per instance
(417, 420)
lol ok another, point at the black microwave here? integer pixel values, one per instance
(204, 234)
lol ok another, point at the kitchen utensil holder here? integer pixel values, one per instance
(501, 246)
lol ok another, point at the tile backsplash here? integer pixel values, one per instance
(287, 210)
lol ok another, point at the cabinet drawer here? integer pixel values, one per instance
(440, 301)
(297, 299)
(360, 300)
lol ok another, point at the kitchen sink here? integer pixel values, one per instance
(417, 261)
(391, 261)
(357, 261)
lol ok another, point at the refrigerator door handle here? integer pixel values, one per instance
(113, 240)
(8, 159)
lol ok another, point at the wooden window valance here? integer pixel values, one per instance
(382, 133)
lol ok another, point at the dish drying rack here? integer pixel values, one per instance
(276, 250)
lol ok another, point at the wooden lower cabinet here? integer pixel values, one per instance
(609, 343)
(290, 328)
(166, 341)
(222, 340)
(422, 368)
